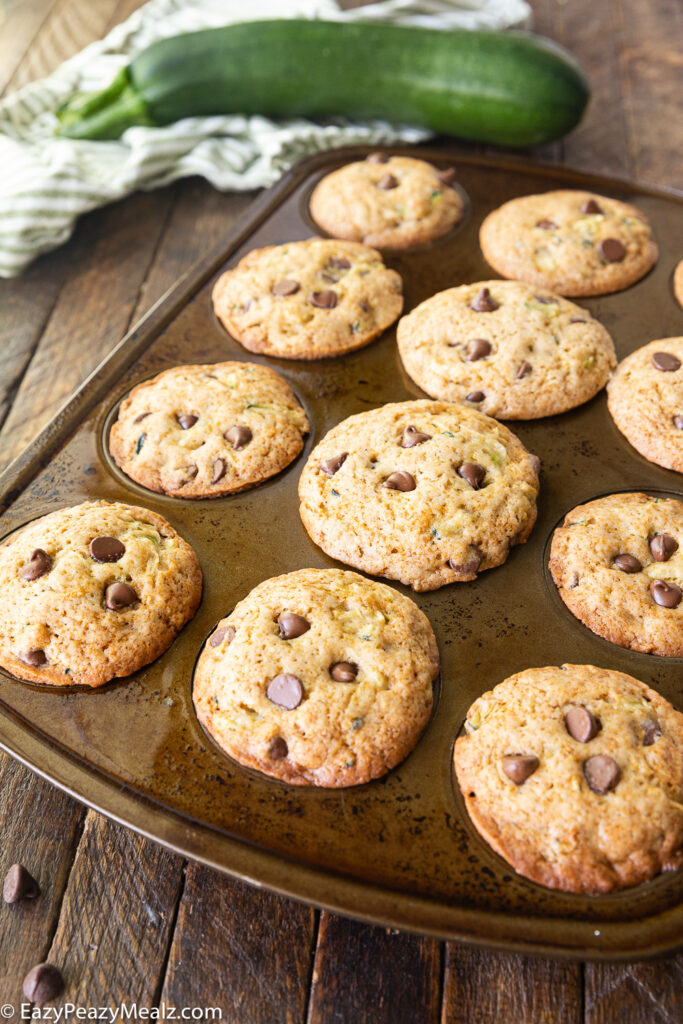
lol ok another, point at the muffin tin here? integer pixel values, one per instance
(399, 851)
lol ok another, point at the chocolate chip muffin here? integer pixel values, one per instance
(618, 567)
(422, 492)
(645, 398)
(509, 349)
(572, 242)
(319, 678)
(93, 592)
(575, 776)
(392, 202)
(203, 431)
(308, 300)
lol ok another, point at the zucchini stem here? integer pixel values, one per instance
(104, 114)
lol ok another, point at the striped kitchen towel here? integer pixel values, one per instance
(47, 182)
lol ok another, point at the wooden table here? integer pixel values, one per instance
(124, 919)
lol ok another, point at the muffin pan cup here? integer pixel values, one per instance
(399, 851)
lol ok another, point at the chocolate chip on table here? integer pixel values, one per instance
(473, 473)
(590, 206)
(377, 158)
(186, 420)
(285, 287)
(238, 436)
(292, 625)
(39, 563)
(344, 671)
(546, 225)
(278, 748)
(218, 468)
(19, 884)
(627, 563)
(602, 773)
(119, 595)
(34, 657)
(667, 595)
(662, 547)
(484, 302)
(400, 481)
(387, 181)
(469, 566)
(411, 437)
(286, 691)
(652, 732)
(581, 724)
(333, 464)
(666, 362)
(612, 250)
(216, 638)
(519, 767)
(447, 175)
(43, 983)
(678, 422)
(326, 299)
(478, 348)
(106, 549)
(475, 396)
(524, 370)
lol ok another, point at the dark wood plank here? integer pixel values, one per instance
(644, 993)
(375, 975)
(116, 919)
(503, 988)
(40, 828)
(245, 951)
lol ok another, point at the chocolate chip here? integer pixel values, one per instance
(473, 473)
(577, 320)
(217, 638)
(387, 181)
(344, 671)
(333, 464)
(35, 657)
(278, 748)
(19, 884)
(217, 470)
(286, 691)
(340, 263)
(573, 581)
(519, 767)
(662, 547)
(186, 420)
(285, 287)
(292, 625)
(581, 724)
(478, 348)
(546, 300)
(106, 549)
(43, 983)
(484, 302)
(411, 437)
(324, 300)
(535, 463)
(190, 473)
(377, 158)
(39, 564)
(627, 563)
(602, 773)
(119, 595)
(612, 250)
(524, 370)
(667, 595)
(400, 481)
(471, 565)
(475, 396)
(547, 225)
(590, 206)
(666, 362)
(141, 417)
(447, 175)
(678, 422)
(652, 732)
(238, 436)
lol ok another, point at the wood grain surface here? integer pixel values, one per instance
(122, 918)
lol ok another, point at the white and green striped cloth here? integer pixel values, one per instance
(47, 182)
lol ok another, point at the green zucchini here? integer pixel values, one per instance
(502, 87)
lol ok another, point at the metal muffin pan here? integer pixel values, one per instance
(399, 851)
